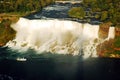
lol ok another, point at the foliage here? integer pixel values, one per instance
(109, 9)
(22, 5)
(77, 12)
(104, 15)
(89, 1)
(6, 32)
(117, 42)
(97, 16)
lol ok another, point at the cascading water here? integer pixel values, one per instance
(56, 36)
(111, 33)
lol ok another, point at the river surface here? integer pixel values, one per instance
(57, 10)
(16, 65)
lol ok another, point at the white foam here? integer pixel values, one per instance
(56, 8)
(111, 33)
(55, 36)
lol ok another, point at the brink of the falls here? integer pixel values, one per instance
(56, 36)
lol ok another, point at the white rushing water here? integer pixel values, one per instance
(111, 33)
(56, 36)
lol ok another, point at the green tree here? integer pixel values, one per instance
(77, 12)
(104, 15)
(22, 5)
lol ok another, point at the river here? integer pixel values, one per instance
(29, 65)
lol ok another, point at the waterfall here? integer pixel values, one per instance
(111, 33)
(56, 36)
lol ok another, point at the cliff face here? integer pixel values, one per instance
(104, 30)
(117, 32)
(108, 49)
(111, 47)
(6, 32)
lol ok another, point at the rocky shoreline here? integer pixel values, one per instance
(109, 48)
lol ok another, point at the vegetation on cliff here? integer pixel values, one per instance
(77, 12)
(109, 48)
(6, 32)
(104, 10)
(109, 9)
(22, 5)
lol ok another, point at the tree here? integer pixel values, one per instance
(77, 12)
(104, 15)
(22, 5)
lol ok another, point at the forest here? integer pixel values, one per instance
(22, 5)
(104, 10)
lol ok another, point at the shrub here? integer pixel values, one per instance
(77, 12)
